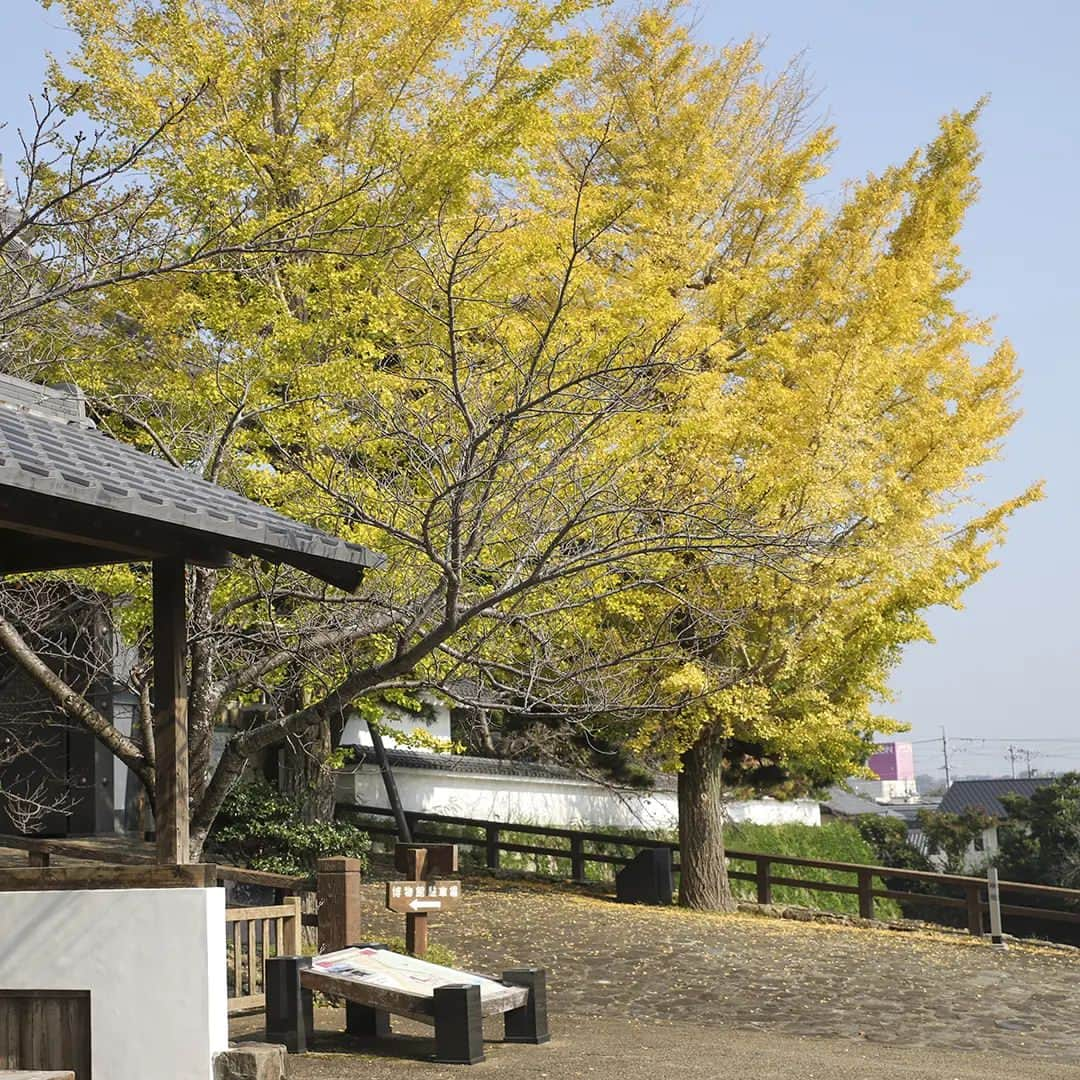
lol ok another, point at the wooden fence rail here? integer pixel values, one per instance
(252, 936)
(865, 880)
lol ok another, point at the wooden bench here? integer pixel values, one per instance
(377, 983)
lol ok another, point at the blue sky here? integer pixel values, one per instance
(1004, 669)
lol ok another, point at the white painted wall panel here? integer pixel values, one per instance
(559, 803)
(152, 959)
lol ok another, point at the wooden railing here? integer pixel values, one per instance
(252, 936)
(865, 881)
(120, 853)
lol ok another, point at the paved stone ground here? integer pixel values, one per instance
(740, 995)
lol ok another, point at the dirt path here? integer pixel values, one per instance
(643, 992)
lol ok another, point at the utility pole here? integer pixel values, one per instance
(945, 752)
(1013, 751)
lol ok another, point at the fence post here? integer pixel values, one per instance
(577, 858)
(974, 908)
(292, 929)
(492, 847)
(338, 888)
(866, 894)
(764, 882)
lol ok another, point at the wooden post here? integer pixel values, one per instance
(764, 882)
(170, 712)
(404, 830)
(292, 937)
(492, 847)
(577, 858)
(416, 923)
(866, 894)
(338, 888)
(974, 909)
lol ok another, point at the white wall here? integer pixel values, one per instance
(435, 722)
(152, 959)
(776, 812)
(541, 801)
(883, 789)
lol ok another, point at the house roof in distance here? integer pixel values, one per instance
(73, 496)
(846, 804)
(986, 795)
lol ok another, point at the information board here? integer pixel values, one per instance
(403, 974)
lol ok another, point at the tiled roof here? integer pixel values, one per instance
(986, 795)
(48, 449)
(845, 804)
(467, 765)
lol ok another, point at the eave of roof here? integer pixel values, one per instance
(72, 496)
(465, 764)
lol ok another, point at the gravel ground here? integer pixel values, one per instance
(645, 992)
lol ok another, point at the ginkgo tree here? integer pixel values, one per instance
(655, 445)
(847, 391)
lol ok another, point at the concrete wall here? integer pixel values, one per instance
(152, 959)
(542, 801)
(883, 790)
(435, 723)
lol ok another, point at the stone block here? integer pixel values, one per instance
(251, 1061)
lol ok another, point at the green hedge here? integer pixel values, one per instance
(834, 841)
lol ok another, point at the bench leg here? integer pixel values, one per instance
(289, 1007)
(528, 1024)
(365, 1021)
(459, 1027)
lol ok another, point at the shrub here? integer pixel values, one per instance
(261, 828)
(833, 842)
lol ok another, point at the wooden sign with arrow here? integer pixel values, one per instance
(414, 897)
(421, 895)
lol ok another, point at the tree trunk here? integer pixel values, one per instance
(704, 881)
(307, 776)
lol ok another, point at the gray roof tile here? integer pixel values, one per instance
(50, 452)
(986, 795)
(399, 758)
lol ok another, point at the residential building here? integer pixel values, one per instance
(986, 795)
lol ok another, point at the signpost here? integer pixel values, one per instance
(410, 897)
(421, 895)
(993, 896)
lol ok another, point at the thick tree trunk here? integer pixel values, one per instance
(306, 774)
(704, 881)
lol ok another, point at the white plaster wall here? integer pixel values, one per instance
(436, 724)
(559, 803)
(883, 789)
(152, 959)
(525, 800)
(776, 811)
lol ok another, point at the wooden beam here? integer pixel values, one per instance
(170, 711)
(128, 537)
(99, 876)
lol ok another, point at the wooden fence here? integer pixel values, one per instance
(865, 881)
(252, 936)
